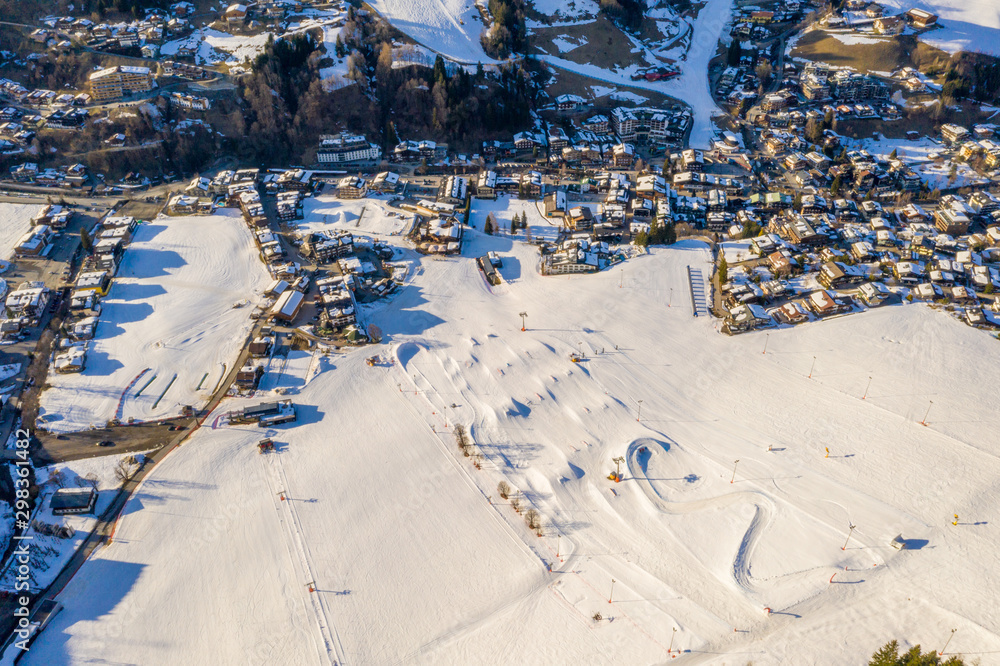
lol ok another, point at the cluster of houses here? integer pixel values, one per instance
(75, 175)
(739, 84)
(597, 140)
(865, 15)
(825, 258)
(45, 227)
(62, 32)
(335, 297)
(761, 21)
(110, 238)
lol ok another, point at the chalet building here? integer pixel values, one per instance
(746, 317)
(824, 304)
(351, 187)
(530, 185)
(790, 313)
(453, 190)
(580, 218)
(598, 124)
(837, 275)
(919, 18)
(386, 182)
(873, 294)
(889, 25)
(486, 185)
(294, 179)
(556, 204)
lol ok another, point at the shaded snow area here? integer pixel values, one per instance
(177, 310)
(965, 25)
(450, 27)
(416, 558)
(15, 221)
(854, 39)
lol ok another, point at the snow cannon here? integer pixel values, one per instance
(576, 358)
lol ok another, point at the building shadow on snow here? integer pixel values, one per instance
(124, 292)
(124, 313)
(108, 583)
(511, 269)
(410, 321)
(146, 262)
(99, 364)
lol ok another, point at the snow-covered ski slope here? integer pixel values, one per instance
(412, 564)
(449, 27)
(171, 310)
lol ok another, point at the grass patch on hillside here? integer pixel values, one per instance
(606, 45)
(888, 55)
(921, 120)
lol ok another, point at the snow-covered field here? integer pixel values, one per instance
(450, 27)
(358, 216)
(15, 221)
(416, 559)
(213, 47)
(505, 208)
(561, 11)
(966, 25)
(171, 311)
(240, 47)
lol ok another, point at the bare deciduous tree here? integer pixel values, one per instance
(504, 489)
(126, 468)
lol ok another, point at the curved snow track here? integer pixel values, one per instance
(763, 508)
